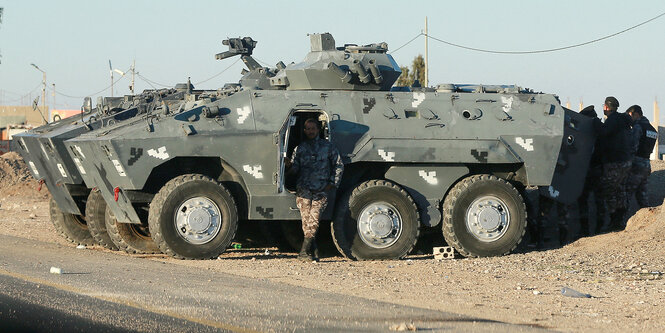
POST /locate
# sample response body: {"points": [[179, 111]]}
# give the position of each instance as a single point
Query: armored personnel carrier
{"points": [[456, 157], [76, 211]]}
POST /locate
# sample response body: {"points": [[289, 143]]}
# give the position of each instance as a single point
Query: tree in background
{"points": [[417, 71]]}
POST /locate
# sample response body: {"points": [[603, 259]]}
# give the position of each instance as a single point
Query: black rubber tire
{"points": [[72, 227], [95, 213], [130, 237], [171, 196], [345, 228], [456, 204]]}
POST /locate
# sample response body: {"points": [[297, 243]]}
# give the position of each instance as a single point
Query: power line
{"points": [[407, 43], [92, 94], [544, 50], [151, 82], [29, 93], [218, 74]]}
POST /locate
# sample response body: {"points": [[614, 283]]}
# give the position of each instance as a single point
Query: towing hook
{"points": [[41, 182], [116, 192]]}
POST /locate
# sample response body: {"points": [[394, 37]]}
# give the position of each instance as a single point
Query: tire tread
{"points": [[339, 237], [450, 201], [160, 199]]}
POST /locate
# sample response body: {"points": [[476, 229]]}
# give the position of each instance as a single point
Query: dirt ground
{"points": [[623, 271]]}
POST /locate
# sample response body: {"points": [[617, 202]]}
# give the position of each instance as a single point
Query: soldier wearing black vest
{"points": [[643, 140], [617, 161], [592, 181]]}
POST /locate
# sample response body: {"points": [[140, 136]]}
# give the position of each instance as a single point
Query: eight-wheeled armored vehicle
{"points": [[456, 157]]}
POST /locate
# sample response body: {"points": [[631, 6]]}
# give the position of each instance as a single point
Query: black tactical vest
{"points": [[647, 139]]}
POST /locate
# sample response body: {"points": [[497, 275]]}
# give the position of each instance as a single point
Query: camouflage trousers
{"points": [[637, 183], [311, 205], [613, 185]]}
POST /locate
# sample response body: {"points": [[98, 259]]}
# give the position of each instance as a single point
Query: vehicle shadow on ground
{"points": [[269, 253]]}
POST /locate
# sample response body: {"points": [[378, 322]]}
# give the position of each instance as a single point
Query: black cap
{"points": [[589, 111], [635, 108], [612, 102]]}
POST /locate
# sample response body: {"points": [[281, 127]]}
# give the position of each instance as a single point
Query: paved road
{"points": [[100, 291]]}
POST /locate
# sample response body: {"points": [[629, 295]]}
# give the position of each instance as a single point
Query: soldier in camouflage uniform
{"points": [[319, 168], [643, 140], [617, 161]]}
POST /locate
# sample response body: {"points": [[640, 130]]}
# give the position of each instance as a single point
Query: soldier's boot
{"points": [[563, 235], [616, 220], [314, 253], [305, 254], [584, 227]]}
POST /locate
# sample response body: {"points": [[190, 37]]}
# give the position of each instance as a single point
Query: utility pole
{"points": [[43, 88], [426, 56], [131, 88], [53, 107]]}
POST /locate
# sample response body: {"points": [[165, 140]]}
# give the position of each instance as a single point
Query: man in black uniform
{"points": [[643, 140], [592, 181], [617, 160]]}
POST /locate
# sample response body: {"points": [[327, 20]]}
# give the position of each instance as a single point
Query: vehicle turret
{"points": [[326, 67]]}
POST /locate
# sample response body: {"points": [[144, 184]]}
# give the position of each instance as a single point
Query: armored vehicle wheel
{"points": [[130, 237], [193, 217], [72, 227], [484, 216], [95, 213], [377, 220]]}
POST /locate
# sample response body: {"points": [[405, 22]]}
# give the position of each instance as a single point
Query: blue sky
{"points": [[172, 40]]}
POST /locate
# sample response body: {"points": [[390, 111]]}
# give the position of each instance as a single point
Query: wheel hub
{"points": [[487, 218], [379, 225], [198, 220]]}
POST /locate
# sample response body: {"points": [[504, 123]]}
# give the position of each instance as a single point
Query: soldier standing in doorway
{"points": [[319, 168], [617, 161], [643, 140]]}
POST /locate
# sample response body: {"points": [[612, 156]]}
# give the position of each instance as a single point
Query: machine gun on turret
{"points": [[240, 46]]}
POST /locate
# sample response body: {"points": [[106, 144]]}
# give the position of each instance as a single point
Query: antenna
{"points": [[426, 83]]}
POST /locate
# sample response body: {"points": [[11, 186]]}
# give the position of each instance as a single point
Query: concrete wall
{"points": [[17, 115]]}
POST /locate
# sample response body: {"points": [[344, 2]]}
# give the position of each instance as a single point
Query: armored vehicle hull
{"points": [[457, 157], [410, 159]]}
